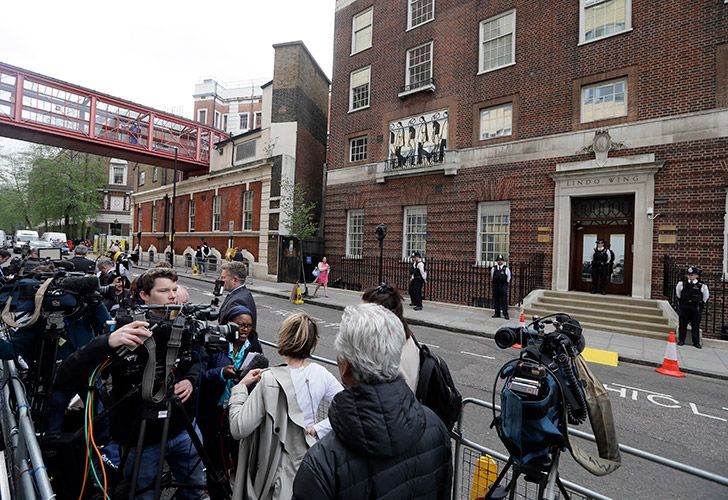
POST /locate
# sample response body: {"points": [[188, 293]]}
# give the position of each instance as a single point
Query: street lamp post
{"points": [[381, 232], [174, 203]]}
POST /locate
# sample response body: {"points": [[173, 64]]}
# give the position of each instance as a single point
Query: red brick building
{"points": [[477, 128], [240, 198]]}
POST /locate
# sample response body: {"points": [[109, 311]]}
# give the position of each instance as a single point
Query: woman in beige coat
{"points": [[276, 422]]}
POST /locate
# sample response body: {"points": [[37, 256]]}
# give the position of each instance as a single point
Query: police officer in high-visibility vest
{"points": [[602, 259], [500, 278], [692, 294]]}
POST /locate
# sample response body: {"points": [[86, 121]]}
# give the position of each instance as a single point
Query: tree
{"points": [[65, 186], [299, 214], [14, 203]]}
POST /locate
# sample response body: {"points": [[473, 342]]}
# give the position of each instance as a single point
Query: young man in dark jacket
{"points": [[384, 443], [156, 287]]}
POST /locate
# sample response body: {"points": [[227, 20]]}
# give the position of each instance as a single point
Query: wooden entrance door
{"points": [[609, 219]]}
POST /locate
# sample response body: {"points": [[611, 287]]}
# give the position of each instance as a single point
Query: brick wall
{"points": [[689, 191], [671, 54]]}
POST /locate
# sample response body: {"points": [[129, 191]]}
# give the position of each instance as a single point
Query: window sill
{"points": [[360, 109], [360, 51], [484, 71], [426, 22], [353, 257], [430, 87], [602, 120], [586, 42]]}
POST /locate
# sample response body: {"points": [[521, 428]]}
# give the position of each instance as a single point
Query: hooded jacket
{"points": [[385, 445]]}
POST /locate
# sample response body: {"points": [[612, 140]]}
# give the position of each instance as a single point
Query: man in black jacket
{"points": [[156, 287], [233, 275], [384, 442], [80, 262]]}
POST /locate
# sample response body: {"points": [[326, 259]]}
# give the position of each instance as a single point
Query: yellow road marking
{"points": [[609, 358]]}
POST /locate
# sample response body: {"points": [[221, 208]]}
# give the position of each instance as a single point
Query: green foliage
{"points": [[51, 187], [298, 212]]}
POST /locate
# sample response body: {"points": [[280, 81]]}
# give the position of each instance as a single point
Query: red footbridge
{"points": [[40, 109]]}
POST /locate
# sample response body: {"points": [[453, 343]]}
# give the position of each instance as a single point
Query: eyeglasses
{"points": [[246, 326]]}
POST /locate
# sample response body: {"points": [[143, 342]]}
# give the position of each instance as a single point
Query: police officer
{"points": [[418, 276], [692, 295], [600, 264], [500, 278]]}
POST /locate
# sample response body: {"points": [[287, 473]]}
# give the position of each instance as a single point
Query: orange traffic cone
{"points": [[522, 324], [669, 364]]}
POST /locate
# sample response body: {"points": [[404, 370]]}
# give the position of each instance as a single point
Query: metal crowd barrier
{"points": [[28, 478], [469, 473]]}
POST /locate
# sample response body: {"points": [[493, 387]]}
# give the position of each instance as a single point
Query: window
{"points": [[224, 121], [243, 121], [154, 218], [139, 218], [248, 211], [498, 42], [354, 233], [419, 12], [415, 230], [217, 119], [496, 121], [216, 203], [604, 18], [361, 31], [358, 148], [155, 174], [359, 89], [245, 150], [202, 116], [258, 119], [604, 100], [191, 226], [140, 177], [419, 66], [493, 231], [118, 175]]}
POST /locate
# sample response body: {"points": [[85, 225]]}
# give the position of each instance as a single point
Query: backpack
{"points": [[435, 388]]}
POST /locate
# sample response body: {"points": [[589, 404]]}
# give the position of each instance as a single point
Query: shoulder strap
{"points": [[39, 294], [427, 367]]}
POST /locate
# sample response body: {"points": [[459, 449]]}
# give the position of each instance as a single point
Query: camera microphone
{"points": [[80, 284]]}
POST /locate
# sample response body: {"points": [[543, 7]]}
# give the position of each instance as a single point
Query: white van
{"points": [[54, 238], [22, 237], [3, 239]]}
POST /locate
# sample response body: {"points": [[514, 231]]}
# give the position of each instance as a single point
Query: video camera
{"points": [[547, 353]]}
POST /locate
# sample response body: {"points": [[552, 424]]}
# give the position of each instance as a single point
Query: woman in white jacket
{"points": [[277, 421]]}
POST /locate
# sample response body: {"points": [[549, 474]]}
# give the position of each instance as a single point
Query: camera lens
{"points": [[505, 337]]}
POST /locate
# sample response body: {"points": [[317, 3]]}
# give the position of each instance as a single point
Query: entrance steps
{"points": [[610, 313]]}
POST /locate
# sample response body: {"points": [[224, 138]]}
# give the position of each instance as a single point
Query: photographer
{"points": [[155, 287]]}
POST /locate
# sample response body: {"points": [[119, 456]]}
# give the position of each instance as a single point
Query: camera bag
{"points": [[530, 428]]}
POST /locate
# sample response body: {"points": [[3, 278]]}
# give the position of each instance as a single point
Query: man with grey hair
{"points": [[233, 275], [80, 262], [385, 443]]}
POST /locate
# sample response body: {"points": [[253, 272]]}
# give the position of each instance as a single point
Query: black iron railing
{"points": [[713, 323], [425, 83], [448, 280], [426, 159]]}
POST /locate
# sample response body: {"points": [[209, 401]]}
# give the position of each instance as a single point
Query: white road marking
{"points": [[695, 410], [478, 355], [435, 346], [725, 408], [208, 294], [643, 390]]}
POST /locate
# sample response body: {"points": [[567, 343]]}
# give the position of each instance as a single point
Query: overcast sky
{"points": [[154, 52]]}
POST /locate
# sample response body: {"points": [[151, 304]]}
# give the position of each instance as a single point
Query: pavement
{"points": [[710, 361]]}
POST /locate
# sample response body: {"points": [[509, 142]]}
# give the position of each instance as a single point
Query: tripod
{"points": [[546, 475], [163, 410]]}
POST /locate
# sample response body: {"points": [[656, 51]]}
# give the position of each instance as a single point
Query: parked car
{"points": [[3, 239], [22, 237], [34, 244]]}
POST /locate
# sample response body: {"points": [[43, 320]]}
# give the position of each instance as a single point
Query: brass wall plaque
{"points": [[667, 239], [544, 229], [544, 238], [667, 227]]}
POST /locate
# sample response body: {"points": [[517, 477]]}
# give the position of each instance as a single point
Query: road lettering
{"points": [[658, 399]]}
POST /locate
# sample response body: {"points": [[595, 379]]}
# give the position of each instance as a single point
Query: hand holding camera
{"points": [[132, 335]]}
